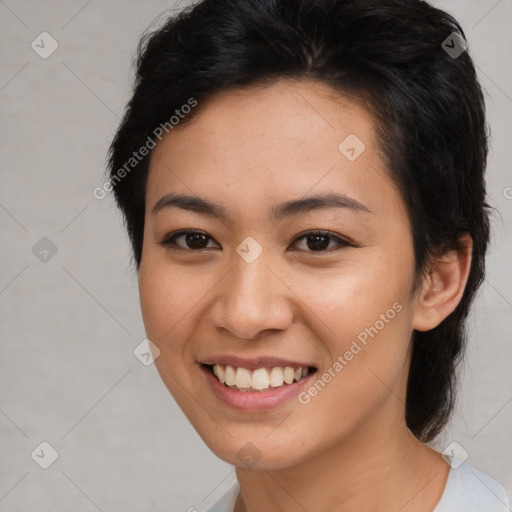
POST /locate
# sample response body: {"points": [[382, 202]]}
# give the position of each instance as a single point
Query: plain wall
{"points": [[69, 325]]}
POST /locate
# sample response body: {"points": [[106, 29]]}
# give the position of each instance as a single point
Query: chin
{"points": [[258, 455]]}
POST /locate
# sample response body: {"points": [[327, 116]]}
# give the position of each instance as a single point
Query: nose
{"points": [[252, 300]]}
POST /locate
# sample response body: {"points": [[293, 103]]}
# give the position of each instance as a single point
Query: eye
{"points": [[319, 241], [196, 240]]}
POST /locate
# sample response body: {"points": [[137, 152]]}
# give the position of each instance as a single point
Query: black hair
{"points": [[399, 59]]}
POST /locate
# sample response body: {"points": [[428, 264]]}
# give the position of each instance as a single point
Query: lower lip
{"points": [[253, 401]]}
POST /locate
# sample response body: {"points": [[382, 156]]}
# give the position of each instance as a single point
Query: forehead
{"points": [[275, 142], [284, 111]]}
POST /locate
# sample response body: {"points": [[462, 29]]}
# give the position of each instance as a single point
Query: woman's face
{"points": [[255, 290]]}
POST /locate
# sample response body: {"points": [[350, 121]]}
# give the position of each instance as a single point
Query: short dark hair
{"points": [[427, 104]]}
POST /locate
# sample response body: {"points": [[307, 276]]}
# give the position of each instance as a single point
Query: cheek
{"points": [[167, 310], [356, 296], [167, 299], [367, 368], [363, 319]]}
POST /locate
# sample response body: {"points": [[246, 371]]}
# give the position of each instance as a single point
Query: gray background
{"points": [[69, 325]]}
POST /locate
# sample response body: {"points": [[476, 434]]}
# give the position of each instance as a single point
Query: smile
{"points": [[258, 379]]}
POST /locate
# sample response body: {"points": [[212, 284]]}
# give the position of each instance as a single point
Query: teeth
{"points": [[243, 378], [258, 380], [221, 373], [230, 375], [289, 375], [276, 377]]}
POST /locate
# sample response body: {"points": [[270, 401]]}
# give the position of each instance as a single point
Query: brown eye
{"points": [[319, 241], [193, 240]]}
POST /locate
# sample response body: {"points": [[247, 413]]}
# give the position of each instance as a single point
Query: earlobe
{"points": [[442, 290]]}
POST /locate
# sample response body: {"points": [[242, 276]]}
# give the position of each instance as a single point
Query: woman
{"points": [[303, 186]]}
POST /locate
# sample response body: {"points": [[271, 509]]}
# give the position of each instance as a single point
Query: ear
{"points": [[442, 290]]}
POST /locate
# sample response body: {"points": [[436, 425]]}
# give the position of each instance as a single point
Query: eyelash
{"points": [[169, 240]]}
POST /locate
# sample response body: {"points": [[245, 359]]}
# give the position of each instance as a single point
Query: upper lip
{"points": [[254, 363]]}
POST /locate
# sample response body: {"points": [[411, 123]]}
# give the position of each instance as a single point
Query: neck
{"points": [[374, 470]]}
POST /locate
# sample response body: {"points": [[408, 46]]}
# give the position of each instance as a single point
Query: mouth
{"points": [[262, 379]]}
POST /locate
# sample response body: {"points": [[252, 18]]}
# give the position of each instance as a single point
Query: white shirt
{"points": [[467, 490]]}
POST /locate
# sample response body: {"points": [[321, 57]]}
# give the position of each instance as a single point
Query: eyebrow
{"points": [[276, 212]]}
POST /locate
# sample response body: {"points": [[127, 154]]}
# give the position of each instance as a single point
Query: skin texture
{"points": [[349, 448]]}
